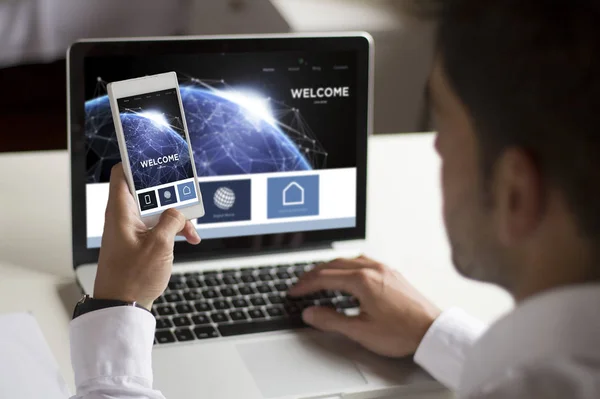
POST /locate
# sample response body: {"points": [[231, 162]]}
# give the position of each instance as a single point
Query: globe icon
{"points": [[224, 198]]}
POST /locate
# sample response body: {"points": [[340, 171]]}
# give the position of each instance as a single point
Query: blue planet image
{"points": [[150, 136], [231, 134]]}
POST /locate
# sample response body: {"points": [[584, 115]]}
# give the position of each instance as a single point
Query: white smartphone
{"points": [[155, 146]]}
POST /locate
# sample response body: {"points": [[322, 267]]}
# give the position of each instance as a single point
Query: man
{"points": [[516, 92]]}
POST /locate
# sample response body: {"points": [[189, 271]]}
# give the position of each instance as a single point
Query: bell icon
{"points": [[187, 190]]}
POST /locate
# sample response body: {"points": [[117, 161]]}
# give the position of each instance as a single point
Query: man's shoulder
{"points": [[573, 377]]}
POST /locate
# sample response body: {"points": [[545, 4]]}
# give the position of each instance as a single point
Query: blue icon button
{"points": [[292, 196], [167, 195], [187, 191]]}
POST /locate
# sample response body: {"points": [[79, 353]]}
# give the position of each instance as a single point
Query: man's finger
{"points": [[344, 263], [349, 281], [327, 319], [119, 195], [190, 233], [171, 222]]}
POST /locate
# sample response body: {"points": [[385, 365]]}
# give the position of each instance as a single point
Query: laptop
{"points": [[279, 127]]}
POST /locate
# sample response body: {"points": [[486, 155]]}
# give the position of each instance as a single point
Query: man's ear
{"points": [[517, 192]]}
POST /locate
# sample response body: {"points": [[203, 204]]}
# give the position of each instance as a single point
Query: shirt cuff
{"points": [[443, 350], [113, 342]]}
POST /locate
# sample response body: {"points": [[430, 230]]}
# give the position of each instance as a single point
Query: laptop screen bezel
{"points": [[359, 43]]}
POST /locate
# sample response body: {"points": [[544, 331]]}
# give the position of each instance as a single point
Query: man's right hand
{"points": [[394, 316], [136, 262]]}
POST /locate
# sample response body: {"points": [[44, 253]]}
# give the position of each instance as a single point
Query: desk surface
{"points": [[404, 229]]}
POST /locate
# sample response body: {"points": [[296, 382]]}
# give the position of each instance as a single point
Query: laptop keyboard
{"points": [[212, 304]]}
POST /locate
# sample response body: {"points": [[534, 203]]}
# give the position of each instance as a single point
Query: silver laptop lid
{"points": [[278, 125]]}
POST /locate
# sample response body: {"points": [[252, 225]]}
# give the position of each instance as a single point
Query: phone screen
{"points": [[158, 151]]}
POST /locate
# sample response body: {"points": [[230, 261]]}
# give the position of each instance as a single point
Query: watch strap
{"points": [[88, 304]]}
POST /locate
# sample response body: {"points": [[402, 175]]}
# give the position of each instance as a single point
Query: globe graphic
{"points": [[224, 198], [227, 138], [147, 137]]}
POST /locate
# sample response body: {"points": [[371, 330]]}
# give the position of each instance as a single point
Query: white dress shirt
{"points": [[548, 347]]}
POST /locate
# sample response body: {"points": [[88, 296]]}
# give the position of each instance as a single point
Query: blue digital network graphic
{"points": [[232, 132], [151, 135]]}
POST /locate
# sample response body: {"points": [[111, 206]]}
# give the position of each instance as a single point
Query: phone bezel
{"points": [[140, 86]]}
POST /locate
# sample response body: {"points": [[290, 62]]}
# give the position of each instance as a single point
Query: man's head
{"points": [[516, 96]]}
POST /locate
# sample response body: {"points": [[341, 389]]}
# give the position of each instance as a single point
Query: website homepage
{"points": [[273, 139]]}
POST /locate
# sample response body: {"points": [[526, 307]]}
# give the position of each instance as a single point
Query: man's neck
{"points": [[560, 266]]}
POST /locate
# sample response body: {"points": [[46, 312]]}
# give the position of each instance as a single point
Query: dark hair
{"points": [[529, 73]]}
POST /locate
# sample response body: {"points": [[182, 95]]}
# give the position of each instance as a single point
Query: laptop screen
{"points": [[273, 137]]}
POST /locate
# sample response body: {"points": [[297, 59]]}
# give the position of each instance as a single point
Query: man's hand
{"points": [[135, 262], [394, 317]]}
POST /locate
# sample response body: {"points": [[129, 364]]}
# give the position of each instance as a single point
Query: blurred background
{"points": [[35, 34]]}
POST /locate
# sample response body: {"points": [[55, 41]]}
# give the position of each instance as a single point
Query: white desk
{"points": [[404, 229]]}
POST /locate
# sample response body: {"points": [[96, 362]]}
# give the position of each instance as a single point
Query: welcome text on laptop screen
{"points": [[273, 137]]}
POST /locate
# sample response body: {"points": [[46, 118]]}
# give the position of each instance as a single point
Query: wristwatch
{"points": [[88, 304]]}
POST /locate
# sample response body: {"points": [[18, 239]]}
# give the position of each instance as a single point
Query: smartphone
{"points": [[155, 146]]}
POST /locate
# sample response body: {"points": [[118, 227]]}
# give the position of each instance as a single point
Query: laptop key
{"points": [[275, 311], [275, 299], [205, 332], [192, 295], [184, 334], [212, 282], [184, 308], [203, 306], [162, 323], [281, 286], [181, 321], [248, 278], [229, 271], [259, 326], [159, 300], [164, 337], [264, 288], [194, 283], [246, 290], [200, 319], [176, 285], [328, 302], [221, 304], [219, 317], [165, 310], [258, 301], [230, 279], [283, 275], [247, 270], [173, 297], [228, 291], [256, 313], [266, 277], [209, 294], [237, 315], [239, 303], [347, 304]]}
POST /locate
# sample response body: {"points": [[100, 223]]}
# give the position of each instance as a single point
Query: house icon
{"points": [[293, 194]]}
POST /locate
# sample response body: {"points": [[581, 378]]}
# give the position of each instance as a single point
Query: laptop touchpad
{"points": [[300, 365]]}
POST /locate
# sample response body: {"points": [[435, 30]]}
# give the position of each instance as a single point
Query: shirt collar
{"points": [[563, 322]]}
